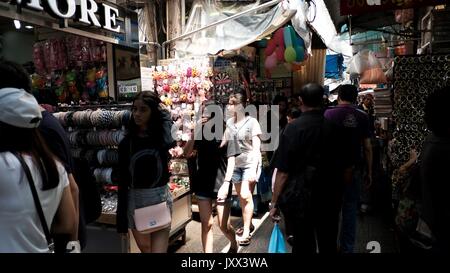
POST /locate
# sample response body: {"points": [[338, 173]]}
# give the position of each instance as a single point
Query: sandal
{"points": [[240, 230], [244, 241]]}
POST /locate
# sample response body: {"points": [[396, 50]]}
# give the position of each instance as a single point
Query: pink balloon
{"points": [[271, 61]]}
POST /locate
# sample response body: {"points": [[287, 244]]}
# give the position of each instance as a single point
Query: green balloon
{"points": [[290, 55]]}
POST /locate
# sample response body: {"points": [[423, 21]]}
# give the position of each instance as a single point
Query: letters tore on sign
{"points": [[84, 12]]}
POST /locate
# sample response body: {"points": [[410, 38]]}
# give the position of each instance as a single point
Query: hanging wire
{"points": [[315, 10]]}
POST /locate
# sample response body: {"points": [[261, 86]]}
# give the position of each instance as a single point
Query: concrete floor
{"points": [[370, 228]]}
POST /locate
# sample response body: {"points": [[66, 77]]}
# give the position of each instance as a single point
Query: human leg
{"points": [[143, 241], [246, 200], [349, 214], [160, 240], [223, 216], [206, 218]]}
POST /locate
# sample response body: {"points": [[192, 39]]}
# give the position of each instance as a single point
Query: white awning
{"points": [[232, 34]]}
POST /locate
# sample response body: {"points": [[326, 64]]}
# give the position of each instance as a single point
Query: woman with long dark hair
{"points": [[20, 142], [143, 176]]}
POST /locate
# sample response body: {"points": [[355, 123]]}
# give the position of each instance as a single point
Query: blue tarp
{"points": [[333, 68]]}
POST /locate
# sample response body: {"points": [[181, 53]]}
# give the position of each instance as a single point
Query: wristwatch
{"points": [[272, 205]]}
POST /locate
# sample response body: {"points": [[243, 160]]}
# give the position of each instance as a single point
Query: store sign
{"points": [[366, 6], [85, 12], [125, 89]]}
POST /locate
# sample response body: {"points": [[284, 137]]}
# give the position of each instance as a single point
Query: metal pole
{"points": [[268, 4], [350, 28]]}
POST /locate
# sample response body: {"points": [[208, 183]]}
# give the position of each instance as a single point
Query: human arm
{"points": [[65, 221], [256, 149], [223, 191], [75, 194], [405, 168], [280, 181], [256, 155]]}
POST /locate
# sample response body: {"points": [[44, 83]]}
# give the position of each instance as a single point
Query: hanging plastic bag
{"points": [[276, 243], [359, 62], [374, 73]]}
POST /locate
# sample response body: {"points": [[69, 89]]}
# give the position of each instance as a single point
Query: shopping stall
{"points": [[84, 60]]}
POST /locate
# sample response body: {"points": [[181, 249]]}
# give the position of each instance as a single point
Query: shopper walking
{"points": [[245, 130], [209, 177], [26, 164], [309, 176], [355, 125], [143, 159]]}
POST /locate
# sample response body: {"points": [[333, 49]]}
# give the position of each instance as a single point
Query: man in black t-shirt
{"points": [[310, 164]]}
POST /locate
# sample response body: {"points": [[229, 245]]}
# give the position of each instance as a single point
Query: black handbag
{"points": [[37, 203]]}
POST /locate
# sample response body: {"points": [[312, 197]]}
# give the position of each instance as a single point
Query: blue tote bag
{"points": [[277, 244]]}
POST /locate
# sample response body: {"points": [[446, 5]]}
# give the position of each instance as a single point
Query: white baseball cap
{"points": [[19, 108]]}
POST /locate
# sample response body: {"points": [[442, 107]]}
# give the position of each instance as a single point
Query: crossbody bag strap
{"points": [[37, 202]]}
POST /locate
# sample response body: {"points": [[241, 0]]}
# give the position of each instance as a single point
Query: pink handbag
{"points": [[152, 218]]}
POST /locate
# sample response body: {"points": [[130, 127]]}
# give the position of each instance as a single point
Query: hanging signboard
{"points": [[355, 7], [87, 11]]}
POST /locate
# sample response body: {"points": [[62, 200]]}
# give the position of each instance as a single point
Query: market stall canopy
{"points": [[232, 34]]}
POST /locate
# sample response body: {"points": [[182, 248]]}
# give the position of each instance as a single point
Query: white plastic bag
{"points": [[364, 60]]}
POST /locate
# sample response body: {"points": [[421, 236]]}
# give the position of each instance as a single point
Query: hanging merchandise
{"points": [[73, 68], [101, 78], [373, 74], [287, 48], [404, 16], [415, 78]]}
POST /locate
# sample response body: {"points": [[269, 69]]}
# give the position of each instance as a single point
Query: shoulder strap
{"points": [[37, 202]]}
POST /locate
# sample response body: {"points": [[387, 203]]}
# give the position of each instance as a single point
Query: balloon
{"points": [[279, 41], [300, 53], [276, 44], [271, 61], [271, 46], [290, 55], [287, 37], [295, 41]]}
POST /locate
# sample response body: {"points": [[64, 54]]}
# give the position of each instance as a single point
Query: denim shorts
{"points": [[244, 174], [139, 198]]}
